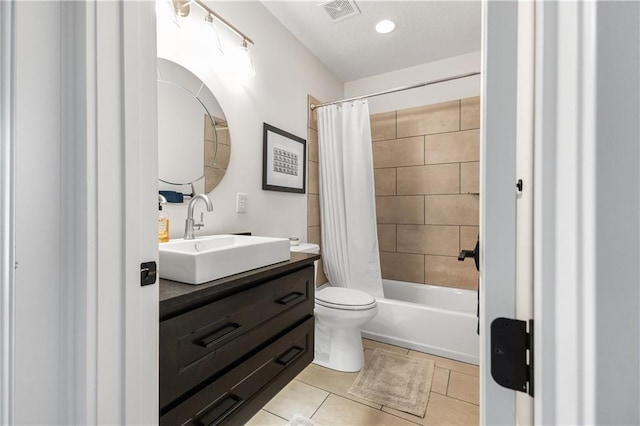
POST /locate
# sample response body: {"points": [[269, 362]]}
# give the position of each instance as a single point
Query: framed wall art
{"points": [[284, 161]]}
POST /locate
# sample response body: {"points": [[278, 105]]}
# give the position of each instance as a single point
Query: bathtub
{"points": [[437, 320]]}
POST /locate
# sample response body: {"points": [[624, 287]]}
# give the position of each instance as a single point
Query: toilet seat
{"points": [[345, 299]]}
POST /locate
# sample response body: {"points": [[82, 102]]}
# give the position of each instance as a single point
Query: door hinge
{"points": [[512, 354]]}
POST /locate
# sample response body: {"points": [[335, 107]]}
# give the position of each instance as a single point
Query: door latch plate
{"points": [[148, 272]]}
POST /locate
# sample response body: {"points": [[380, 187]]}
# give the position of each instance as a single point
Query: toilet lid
{"points": [[345, 298]]}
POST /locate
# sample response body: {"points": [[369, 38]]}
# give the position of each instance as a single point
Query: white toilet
{"points": [[339, 314]]}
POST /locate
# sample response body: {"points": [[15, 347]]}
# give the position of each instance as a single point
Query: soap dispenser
{"points": [[163, 221]]}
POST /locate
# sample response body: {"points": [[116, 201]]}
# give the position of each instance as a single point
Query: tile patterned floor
{"points": [[322, 395]]}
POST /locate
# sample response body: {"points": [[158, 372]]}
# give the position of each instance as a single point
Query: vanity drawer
{"points": [[238, 395], [198, 344]]}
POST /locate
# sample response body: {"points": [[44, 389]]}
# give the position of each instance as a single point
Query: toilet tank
{"points": [[308, 248]]}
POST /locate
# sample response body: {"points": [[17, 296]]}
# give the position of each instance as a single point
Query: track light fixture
{"points": [[238, 57]]}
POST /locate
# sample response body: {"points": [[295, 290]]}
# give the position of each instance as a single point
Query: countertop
{"points": [[176, 298]]}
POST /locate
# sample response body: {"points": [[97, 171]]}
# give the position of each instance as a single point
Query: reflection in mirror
{"points": [[193, 137]]}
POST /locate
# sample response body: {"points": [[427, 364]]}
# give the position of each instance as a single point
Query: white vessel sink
{"points": [[211, 257]]}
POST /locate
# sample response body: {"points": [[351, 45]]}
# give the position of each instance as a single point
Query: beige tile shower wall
{"points": [[313, 201], [426, 169]]}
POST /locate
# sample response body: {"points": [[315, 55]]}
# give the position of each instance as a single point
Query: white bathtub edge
{"points": [[431, 350]]}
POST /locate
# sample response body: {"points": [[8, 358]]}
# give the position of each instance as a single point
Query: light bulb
{"points": [[385, 26], [239, 61], [210, 36]]}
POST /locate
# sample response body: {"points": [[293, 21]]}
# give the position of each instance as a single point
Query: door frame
{"points": [[7, 222], [524, 171], [497, 195]]}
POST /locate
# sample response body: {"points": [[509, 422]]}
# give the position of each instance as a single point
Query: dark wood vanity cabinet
{"points": [[227, 349]]}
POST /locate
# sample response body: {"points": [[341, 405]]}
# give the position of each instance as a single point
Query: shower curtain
{"points": [[347, 201]]}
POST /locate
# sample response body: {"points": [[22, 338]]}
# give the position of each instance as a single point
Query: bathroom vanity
{"points": [[228, 346]]}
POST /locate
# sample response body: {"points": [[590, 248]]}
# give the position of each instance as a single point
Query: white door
{"points": [[140, 198], [79, 181]]}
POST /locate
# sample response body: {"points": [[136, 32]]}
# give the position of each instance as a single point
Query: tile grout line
{"points": [[274, 414], [395, 120], [395, 230], [422, 134], [312, 385], [406, 166], [395, 172], [446, 388], [402, 418], [357, 402], [460, 372], [417, 135], [460, 400], [337, 395], [321, 404]]}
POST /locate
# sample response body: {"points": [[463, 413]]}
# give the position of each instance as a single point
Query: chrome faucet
{"points": [[189, 223]]}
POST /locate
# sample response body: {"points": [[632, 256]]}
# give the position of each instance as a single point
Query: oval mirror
{"points": [[193, 137]]}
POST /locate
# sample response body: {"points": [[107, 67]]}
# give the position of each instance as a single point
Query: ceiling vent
{"points": [[339, 10]]}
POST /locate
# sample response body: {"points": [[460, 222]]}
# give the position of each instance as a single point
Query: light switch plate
{"points": [[241, 202]]}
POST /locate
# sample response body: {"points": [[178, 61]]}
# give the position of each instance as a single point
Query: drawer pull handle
{"points": [[289, 298], [220, 410], [290, 356], [209, 340]]}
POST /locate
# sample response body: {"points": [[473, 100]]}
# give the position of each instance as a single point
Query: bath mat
{"points": [[396, 381], [299, 420]]}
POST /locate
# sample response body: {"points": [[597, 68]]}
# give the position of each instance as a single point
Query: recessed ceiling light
{"points": [[385, 26]]}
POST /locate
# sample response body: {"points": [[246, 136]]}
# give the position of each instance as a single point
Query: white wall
{"points": [[457, 89], [286, 72]]}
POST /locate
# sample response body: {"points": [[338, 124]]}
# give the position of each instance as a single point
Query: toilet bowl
{"points": [[339, 314]]}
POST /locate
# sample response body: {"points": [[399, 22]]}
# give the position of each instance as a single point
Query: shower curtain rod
{"points": [[397, 89]]}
